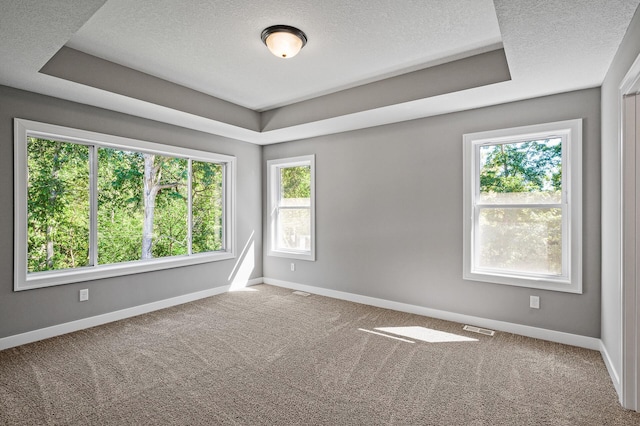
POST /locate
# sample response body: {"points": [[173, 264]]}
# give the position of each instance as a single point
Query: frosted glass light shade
{"points": [[284, 45], [284, 41]]}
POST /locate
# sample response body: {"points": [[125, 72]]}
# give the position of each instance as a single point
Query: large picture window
{"points": [[89, 205], [522, 201], [291, 231]]}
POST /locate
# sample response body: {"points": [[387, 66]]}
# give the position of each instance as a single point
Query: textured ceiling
{"points": [[215, 47], [179, 49], [552, 43]]}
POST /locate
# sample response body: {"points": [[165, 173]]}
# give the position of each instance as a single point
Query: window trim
{"points": [[273, 190], [571, 131], [25, 281]]}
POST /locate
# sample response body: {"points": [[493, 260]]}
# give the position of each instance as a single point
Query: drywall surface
{"points": [[475, 71], [611, 189], [389, 215], [34, 309], [82, 68]]}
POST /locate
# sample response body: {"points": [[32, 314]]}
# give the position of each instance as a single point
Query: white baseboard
{"points": [[523, 330], [538, 333], [255, 281], [81, 324], [615, 377]]}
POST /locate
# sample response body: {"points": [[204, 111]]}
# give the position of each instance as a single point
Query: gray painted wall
{"points": [[389, 215], [34, 309], [611, 278], [475, 71], [80, 67]]}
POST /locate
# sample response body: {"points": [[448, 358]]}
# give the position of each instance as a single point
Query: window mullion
{"points": [[227, 207], [189, 206], [93, 205]]}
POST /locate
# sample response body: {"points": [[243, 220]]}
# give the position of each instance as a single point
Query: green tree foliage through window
{"points": [[296, 182], [120, 175], [533, 166], [207, 196], [58, 205], [142, 205]]}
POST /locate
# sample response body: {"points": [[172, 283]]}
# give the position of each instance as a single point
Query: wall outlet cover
{"points": [[534, 302]]}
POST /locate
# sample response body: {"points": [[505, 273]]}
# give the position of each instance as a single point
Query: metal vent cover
{"points": [[479, 330]]}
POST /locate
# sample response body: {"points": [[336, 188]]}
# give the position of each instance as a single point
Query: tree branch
{"points": [[168, 185]]}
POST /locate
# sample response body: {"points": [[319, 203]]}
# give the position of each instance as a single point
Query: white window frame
{"points": [[273, 196], [25, 281], [571, 133]]}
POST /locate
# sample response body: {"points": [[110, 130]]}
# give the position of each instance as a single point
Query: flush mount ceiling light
{"points": [[284, 41]]}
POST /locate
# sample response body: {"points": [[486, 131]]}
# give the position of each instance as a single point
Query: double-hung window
{"points": [[291, 212], [522, 206], [90, 205]]}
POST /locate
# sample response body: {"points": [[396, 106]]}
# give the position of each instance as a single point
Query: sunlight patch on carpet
{"points": [[385, 335], [426, 334]]}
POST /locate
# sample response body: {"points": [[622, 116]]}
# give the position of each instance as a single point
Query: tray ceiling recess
{"points": [[203, 65]]}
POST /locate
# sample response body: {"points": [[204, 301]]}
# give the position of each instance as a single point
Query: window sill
{"points": [[540, 283], [89, 273], [310, 256]]}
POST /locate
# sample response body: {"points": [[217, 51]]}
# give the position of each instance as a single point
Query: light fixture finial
{"points": [[284, 41]]}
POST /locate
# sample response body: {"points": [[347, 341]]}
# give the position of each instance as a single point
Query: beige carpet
{"points": [[271, 357]]}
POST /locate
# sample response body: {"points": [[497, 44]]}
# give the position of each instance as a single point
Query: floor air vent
{"points": [[479, 330], [301, 293]]}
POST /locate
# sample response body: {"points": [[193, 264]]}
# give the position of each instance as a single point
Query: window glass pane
{"points": [[295, 186], [294, 228], [142, 206], [120, 208], [57, 205], [169, 218], [524, 172], [207, 211], [520, 240], [294, 218]]}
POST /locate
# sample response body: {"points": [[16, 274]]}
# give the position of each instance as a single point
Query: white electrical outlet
{"points": [[293, 267], [534, 302], [84, 294]]}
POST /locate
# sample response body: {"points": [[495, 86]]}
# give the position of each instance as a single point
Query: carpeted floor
{"points": [[271, 357]]}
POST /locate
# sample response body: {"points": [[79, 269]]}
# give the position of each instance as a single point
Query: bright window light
{"points": [[426, 334]]}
